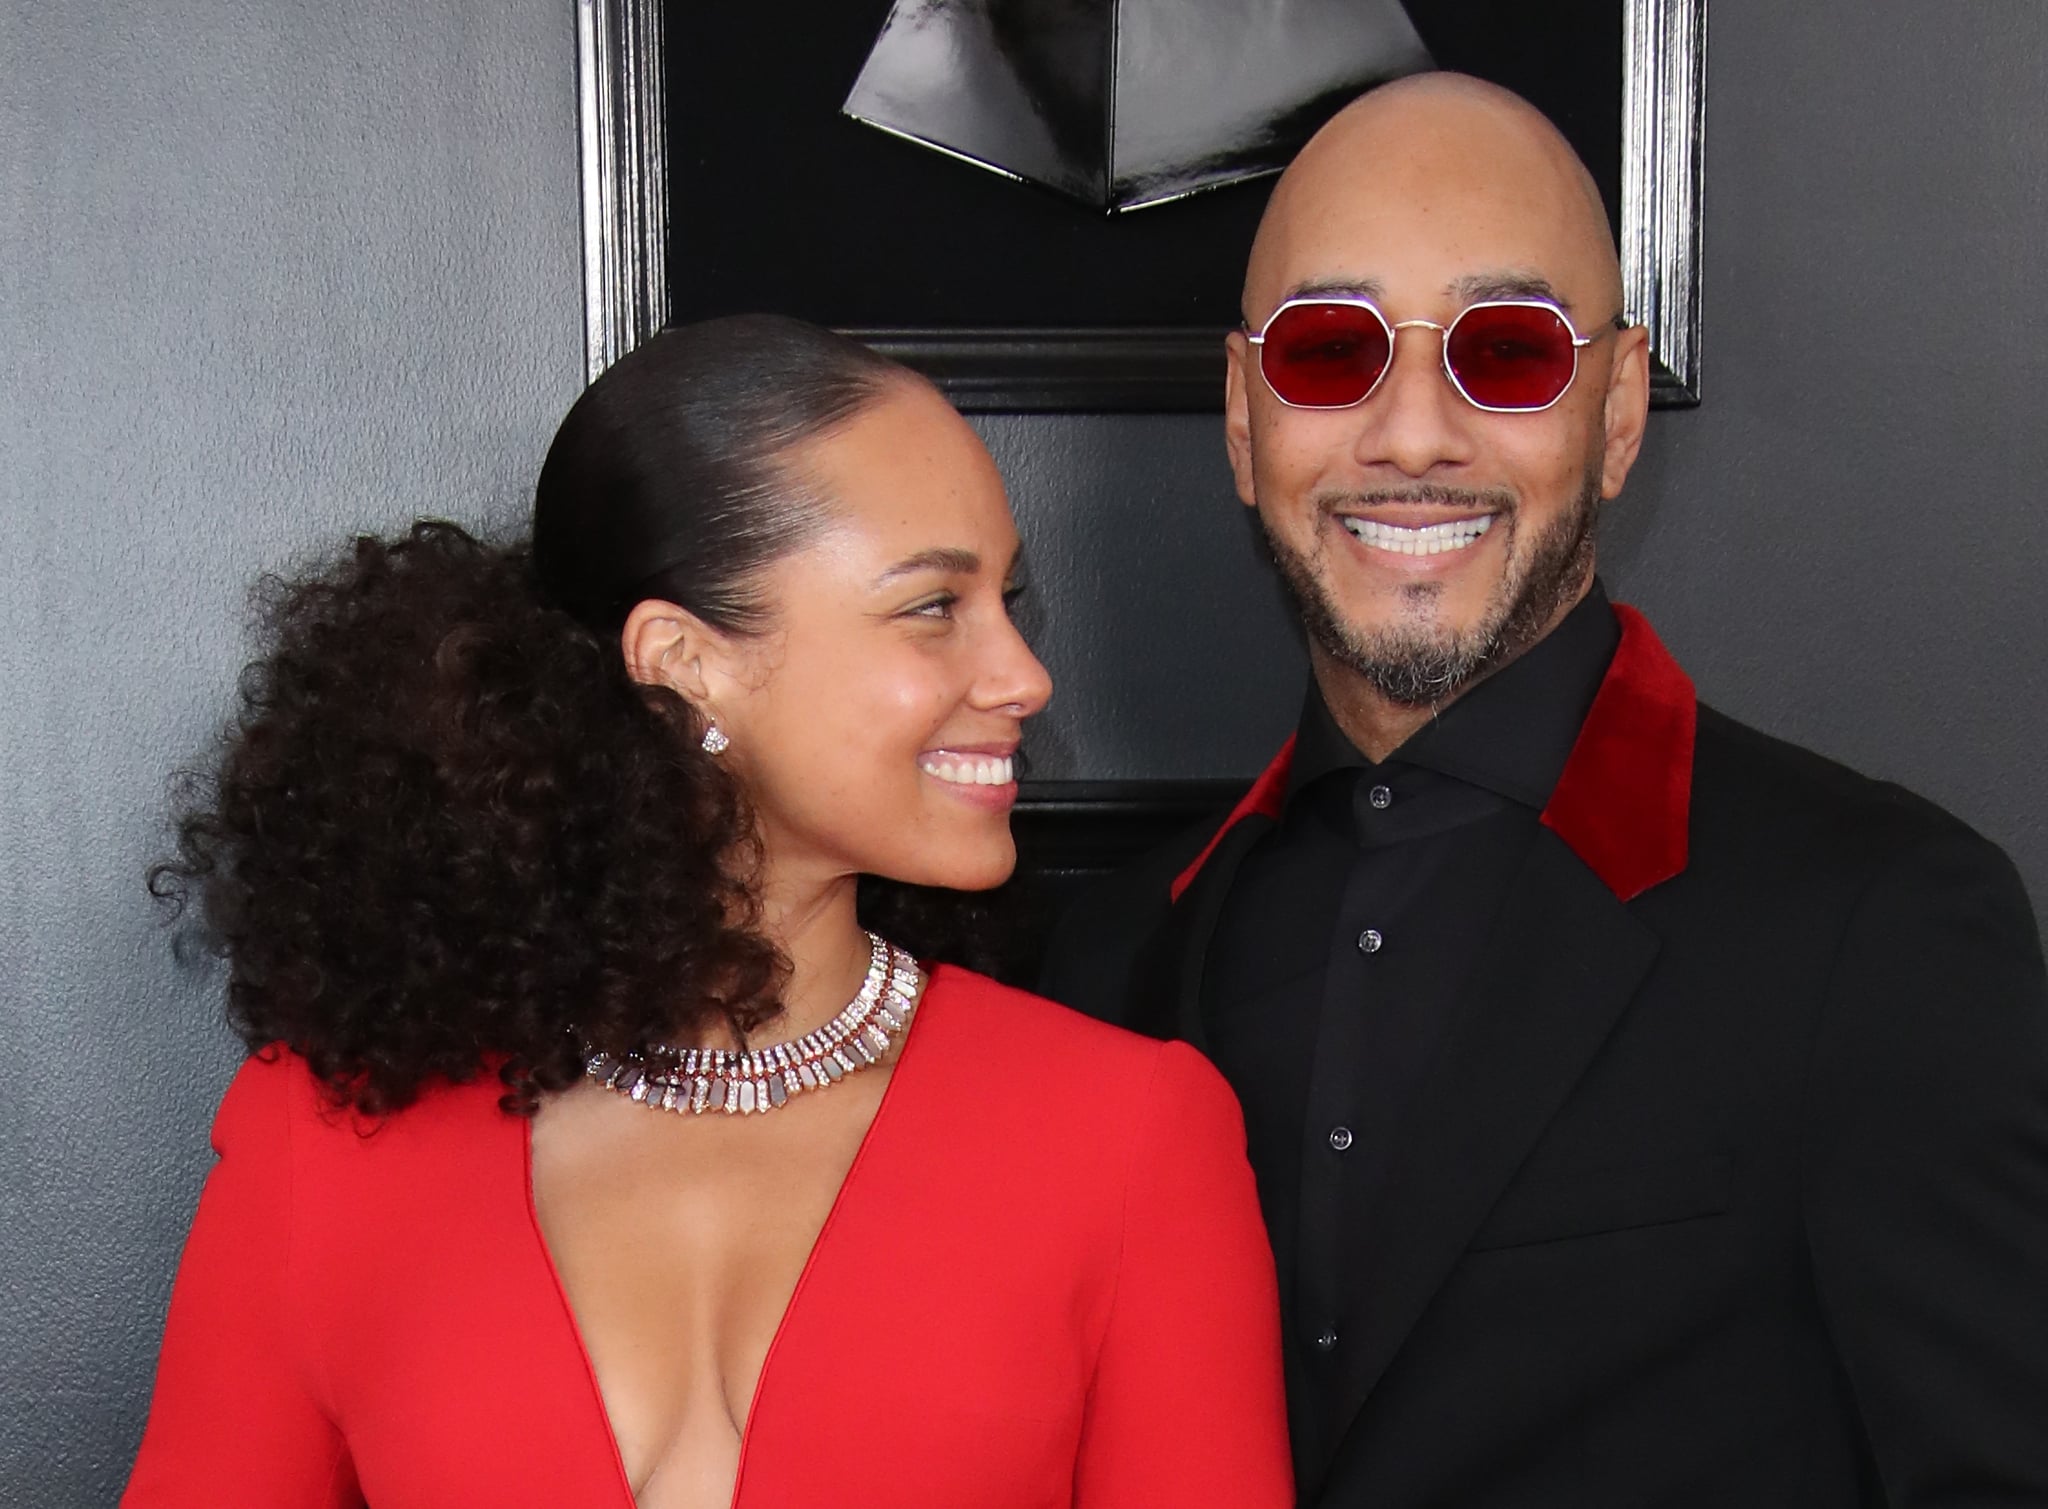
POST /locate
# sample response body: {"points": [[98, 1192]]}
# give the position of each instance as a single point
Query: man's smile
{"points": [[1421, 539]]}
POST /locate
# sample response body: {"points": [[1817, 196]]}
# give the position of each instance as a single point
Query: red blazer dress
{"points": [[1044, 1283]]}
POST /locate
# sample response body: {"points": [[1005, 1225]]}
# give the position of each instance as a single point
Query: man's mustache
{"points": [[1429, 494]]}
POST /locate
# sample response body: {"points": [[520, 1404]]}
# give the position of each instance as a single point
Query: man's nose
{"points": [[1417, 421]]}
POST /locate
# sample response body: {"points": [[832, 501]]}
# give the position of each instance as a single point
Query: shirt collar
{"points": [[1624, 801], [1510, 734]]}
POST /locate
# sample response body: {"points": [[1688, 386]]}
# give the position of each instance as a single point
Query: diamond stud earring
{"points": [[715, 741]]}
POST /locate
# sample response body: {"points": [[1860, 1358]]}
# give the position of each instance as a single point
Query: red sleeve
{"points": [[1187, 1407], [232, 1420]]}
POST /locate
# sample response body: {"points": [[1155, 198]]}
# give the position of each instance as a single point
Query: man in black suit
{"points": [[1646, 1112]]}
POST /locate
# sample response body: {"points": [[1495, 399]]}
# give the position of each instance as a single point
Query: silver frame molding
{"points": [[621, 111], [621, 105], [1663, 141]]}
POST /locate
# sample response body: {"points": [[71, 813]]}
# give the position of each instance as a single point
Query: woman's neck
{"points": [[814, 924]]}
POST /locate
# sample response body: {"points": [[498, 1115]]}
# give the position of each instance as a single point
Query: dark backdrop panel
{"points": [[779, 202]]}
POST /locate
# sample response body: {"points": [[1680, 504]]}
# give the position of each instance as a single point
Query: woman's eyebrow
{"points": [[945, 558]]}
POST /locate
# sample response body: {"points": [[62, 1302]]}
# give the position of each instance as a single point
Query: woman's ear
{"points": [[665, 645]]}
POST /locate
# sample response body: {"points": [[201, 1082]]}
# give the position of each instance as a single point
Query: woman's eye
{"points": [[935, 607]]}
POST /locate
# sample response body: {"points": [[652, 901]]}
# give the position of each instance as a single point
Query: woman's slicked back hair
{"points": [[668, 477]]}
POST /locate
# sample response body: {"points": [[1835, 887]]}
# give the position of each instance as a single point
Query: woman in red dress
{"points": [[590, 1152]]}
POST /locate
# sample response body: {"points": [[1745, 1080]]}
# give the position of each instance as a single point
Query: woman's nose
{"points": [[1015, 678]]}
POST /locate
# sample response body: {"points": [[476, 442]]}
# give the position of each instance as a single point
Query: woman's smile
{"points": [[983, 775]]}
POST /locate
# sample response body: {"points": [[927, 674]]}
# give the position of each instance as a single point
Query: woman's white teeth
{"points": [[970, 770], [1430, 539]]}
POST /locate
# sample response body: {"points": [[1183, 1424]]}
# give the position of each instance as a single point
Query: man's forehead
{"points": [[1441, 194]]}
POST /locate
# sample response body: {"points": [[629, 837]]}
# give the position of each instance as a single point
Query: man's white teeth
{"points": [[1430, 539], [970, 770]]}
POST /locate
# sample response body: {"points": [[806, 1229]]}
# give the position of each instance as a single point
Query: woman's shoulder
{"points": [[277, 1101], [360, 1195], [1027, 1019], [1072, 1054], [1017, 1104]]}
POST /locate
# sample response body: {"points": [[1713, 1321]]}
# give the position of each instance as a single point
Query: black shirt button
{"points": [[1381, 797], [1340, 1138], [1370, 940], [1326, 1340]]}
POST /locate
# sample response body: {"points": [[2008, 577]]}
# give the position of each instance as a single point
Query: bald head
{"points": [[1439, 171], [1424, 198]]}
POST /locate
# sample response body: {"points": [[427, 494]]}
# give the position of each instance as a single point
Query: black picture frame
{"points": [[687, 152]]}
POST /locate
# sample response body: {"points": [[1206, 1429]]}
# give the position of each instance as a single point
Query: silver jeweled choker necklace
{"points": [[696, 1080]]}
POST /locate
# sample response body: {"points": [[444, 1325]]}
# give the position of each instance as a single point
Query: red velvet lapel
{"points": [[1624, 801], [1265, 797], [1625, 798]]}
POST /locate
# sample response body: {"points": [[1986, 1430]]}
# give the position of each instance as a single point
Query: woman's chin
{"points": [[978, 864]]}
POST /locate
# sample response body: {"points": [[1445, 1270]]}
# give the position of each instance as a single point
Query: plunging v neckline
{"points": [[627, 1499]]}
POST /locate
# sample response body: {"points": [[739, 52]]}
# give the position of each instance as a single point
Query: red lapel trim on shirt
{"points": [[1624, 802]]}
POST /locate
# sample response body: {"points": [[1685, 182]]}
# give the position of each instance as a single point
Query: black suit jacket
{"points": [[1730, 1187]]}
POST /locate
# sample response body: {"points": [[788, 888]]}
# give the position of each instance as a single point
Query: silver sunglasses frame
{"points": [[1394, 327]]}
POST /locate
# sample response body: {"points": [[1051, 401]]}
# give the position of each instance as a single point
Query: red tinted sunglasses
{"points": [[1506, 356]]}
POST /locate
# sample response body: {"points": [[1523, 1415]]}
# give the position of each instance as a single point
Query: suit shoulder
{"points": [[1743, 777]]}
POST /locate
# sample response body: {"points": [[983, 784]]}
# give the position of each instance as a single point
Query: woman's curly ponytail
{"points": [[446, 829]]}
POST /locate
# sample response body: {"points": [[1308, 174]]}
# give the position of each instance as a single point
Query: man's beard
{"points": [[1420, 665]]}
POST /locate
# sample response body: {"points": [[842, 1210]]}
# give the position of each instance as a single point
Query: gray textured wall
{"points": [[268, 273], [271, 273]]}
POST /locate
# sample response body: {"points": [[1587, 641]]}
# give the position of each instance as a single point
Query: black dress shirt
{"points": [[1340, 955]]}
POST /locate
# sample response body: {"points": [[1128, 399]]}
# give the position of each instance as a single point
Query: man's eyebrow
{"points": [[945, 558], [1471, 289], [1479, 287], [1336, 288]]}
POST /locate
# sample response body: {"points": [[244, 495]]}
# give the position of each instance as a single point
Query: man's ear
{"points": [[1628, 408], [1237, 414], [665, 645]]}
